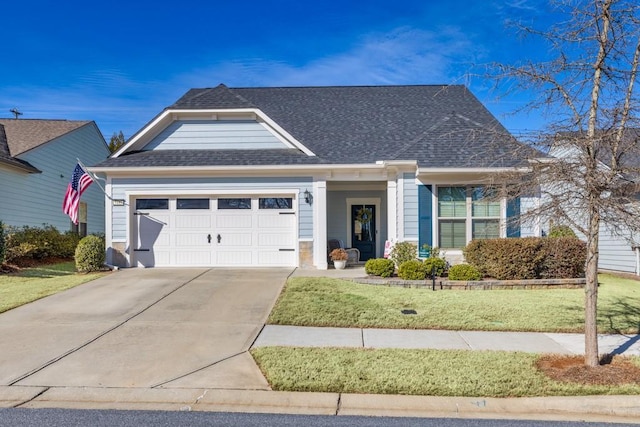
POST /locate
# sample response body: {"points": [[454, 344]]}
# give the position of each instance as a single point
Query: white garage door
{"points": [[242, 231]]}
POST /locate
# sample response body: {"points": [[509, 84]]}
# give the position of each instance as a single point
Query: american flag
{"points": [[80, 180]]}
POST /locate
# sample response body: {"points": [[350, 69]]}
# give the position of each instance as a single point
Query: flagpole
{"points": [[95, 179]]}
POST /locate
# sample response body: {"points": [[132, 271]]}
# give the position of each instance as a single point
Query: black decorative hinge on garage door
{"points": [[142, 250], [287, 213], [140, 213], [287, 250]]}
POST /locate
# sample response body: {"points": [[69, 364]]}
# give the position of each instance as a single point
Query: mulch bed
{"points": [[613, 370]]}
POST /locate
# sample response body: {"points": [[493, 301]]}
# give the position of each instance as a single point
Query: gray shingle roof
{"points": [[439, 126]]}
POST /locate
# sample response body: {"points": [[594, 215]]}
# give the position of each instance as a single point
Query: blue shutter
{"points": [[513, 217], [425, 220]]}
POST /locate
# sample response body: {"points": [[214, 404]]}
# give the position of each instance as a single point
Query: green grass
{"points": [[332, 302], [416, 372], [34, 283]]}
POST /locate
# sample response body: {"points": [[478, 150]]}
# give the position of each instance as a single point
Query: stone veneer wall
{"points": [[306, 254]]}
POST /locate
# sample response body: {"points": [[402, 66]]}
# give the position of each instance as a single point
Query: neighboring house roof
{"points": [[17, 136], [437, 126]]}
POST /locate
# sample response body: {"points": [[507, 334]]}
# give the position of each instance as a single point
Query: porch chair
{"points": [[353, 253]]}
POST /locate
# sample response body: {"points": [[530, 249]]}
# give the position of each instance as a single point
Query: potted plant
{"points": [[339, 257]]}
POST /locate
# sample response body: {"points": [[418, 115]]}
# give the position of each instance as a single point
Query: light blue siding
{"points": [[215, 135], [410, 206], [36, 199], [173, 186]]}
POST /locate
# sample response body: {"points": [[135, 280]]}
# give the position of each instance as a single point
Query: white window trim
{"points": [[469, 215]]}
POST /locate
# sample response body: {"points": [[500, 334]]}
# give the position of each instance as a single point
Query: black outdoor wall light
{"points": [[308, 197]]}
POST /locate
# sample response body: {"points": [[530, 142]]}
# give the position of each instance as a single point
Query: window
{"points": [[486, 214], [152, 204], [275, 203], [81, 227], [237, 203], [192, 204], [466, 213], [452, 213]]}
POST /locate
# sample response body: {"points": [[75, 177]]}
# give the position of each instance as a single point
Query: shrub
{"points": [[435, 266], [412, 270], [382, 267], [464, 272], [90, 254], [39, 243], [403, 252], [2, 243], [528, 258], [561, 231]]}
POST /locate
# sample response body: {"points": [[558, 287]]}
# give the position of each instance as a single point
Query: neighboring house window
{"points": [[81, 227], [466, 213]]}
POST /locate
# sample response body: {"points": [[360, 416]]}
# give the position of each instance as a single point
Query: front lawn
{"points": [[338, 303], [33, 283], [418, 372]]}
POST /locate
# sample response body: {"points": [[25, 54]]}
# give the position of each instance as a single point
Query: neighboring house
{"points": [[619, 245], [265, 176], [37, 158]]}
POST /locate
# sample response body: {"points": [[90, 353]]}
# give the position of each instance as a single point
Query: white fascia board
{"points": [[426, 171], [167, 116], [191, 170]]}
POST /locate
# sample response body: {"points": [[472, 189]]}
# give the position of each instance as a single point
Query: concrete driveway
{"points": [[183, 328]]}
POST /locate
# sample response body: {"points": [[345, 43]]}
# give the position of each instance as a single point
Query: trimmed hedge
{"points": [[435, 265], [412, 270], [39, 243], [90, 254], [528, 258], [464, 272], [382, 267]]}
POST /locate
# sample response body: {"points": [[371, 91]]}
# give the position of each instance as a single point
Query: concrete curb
{"points": [[582, 408]]}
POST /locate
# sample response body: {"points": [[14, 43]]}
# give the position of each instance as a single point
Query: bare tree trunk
{"points": [[591, 290]]}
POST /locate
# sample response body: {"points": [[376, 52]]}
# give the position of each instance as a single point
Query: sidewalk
{"points": [[531, 342]]}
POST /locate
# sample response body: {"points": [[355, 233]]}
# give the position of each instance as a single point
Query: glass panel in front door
{"points": [[363, 230]]}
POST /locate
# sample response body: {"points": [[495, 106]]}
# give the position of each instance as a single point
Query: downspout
{"points": [[636, 249]]}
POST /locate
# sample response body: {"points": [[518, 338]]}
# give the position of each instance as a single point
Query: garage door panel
{"points": [[224, 221], [276, 258], [193, 221], [199, 258], [278, 240], [233, 258], [187, 240], [276, 221], [231, 238]]}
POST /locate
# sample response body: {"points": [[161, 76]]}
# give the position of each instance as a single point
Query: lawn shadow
{"points": [[623, 316], [43, 273]]}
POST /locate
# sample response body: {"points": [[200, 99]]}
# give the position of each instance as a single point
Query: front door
{"points": [[363, 230]]}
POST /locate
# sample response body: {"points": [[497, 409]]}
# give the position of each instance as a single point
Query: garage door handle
{"points": [[219, 238], [209, 238]]}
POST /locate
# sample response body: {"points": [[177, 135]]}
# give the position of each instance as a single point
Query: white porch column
{"points": [[320, 224], [392, 209]]}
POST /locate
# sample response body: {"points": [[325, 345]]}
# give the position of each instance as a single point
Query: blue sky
{"points": [[121, 62]]}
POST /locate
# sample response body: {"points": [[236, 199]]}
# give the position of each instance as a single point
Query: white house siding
{"points": [[410, 207], [616, 251], [36, 199], [173, 186], [215, 135]]}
